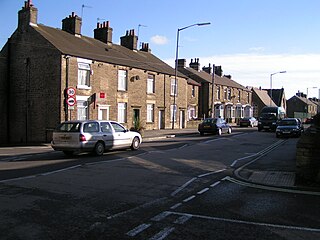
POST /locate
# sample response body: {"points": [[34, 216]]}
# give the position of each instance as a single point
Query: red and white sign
{"points": [[102, 95], [71, 91], [71, 101]]}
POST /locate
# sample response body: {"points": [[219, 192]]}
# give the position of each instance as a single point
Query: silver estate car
{"points": [[93, 136]]}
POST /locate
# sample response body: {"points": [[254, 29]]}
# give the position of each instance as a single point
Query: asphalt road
{"points": [[179, 188]]}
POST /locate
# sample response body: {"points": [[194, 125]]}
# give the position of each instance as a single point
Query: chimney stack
{"points": [[72, 24], [195, 65], [103, 32], [28, 15], [130, 40], [145, 47], [218, 70], [207, 69]]}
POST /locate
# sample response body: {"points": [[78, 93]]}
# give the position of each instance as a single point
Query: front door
{"points": [[136, 118], [182, 119], [161, 119]]}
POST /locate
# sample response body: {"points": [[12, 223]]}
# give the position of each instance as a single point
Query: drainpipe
{"points": [[27, 62], [9, 90], [66, 117]]}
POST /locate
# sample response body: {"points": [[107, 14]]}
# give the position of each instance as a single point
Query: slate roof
{"points": [[277, 95], [202, 76], [90, 48]]}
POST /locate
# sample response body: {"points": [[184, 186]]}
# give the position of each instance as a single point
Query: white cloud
{"points": [[159, 40], [257, 49], [303, 70]]}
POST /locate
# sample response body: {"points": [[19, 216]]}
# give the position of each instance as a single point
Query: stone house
{"points": [[299, 106], [278, 97], [228, 98], [260, 99], [50, 75]]}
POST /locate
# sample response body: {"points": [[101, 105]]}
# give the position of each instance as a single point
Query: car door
{"points": [[121, 136], [107, 134]]}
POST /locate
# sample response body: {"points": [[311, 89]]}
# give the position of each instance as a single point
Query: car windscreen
{"points": [[288, 123], [69, 127], [268, 116], [210, 120]]}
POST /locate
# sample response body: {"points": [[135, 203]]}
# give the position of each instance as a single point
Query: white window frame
{"points": [[173, 112], [174, 87], [84, 73], [102, 108], [193, 91], [122, 112], [150, 113], [122, 80], [192, 112], [151, 83], [82, 108]]}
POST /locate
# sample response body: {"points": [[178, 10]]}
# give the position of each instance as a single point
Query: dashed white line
{"points": [[138, 229], [210, 173], [176, 206], [161, 216], [162, 234], [203, 191], [215, 184], [189, 198]]}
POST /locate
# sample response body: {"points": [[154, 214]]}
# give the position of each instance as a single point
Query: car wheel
{"points": [[229, 130], [135, 144], [219, 131], [68, 153], [99, 149]]}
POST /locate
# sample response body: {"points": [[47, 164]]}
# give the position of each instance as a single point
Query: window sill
{"points": [[84, 87]]}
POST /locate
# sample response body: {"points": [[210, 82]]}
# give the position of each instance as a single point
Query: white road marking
{"points": [[210, 173], [138, 229], [189, 198], [203, 191], [182, 219], [249, 222], [161, 216], [215, 184], [183, 186], [176, 206], [162, 234]]}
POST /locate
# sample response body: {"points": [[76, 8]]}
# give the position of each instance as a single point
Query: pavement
{"points": [[277, 175]]}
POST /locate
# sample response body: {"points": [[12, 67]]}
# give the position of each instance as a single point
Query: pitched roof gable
{"points": [[264, 97]]}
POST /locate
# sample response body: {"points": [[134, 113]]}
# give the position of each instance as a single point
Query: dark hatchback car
{"points": [[215, 126], [289, 127], [249, 121]]}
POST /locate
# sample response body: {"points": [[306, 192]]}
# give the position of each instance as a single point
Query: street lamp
{"points": [[271, 84], [176, 67], [307, 90]]}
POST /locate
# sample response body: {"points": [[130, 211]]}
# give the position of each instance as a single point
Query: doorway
{"points": [[161, 119]]}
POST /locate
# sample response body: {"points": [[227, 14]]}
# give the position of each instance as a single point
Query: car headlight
{"points": [[259, 122], [274, 123]]}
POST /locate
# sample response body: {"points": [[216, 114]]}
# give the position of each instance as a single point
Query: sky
{"points": [[250, 39]]}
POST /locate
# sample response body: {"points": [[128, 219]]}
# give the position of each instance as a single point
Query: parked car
{"points": [[269, 117], [250, 121], [308, 121], [93, 136], [214, 125], [289, 127]]}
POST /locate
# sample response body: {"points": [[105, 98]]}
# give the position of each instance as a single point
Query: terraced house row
{"points": [[50, 75]]}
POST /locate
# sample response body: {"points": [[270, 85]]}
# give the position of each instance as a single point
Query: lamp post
{"points": [[176, 68], [271, 84], [307, 90]]}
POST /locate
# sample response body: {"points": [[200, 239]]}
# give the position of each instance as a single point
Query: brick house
{"points": [[44, 68], [231, 100]]}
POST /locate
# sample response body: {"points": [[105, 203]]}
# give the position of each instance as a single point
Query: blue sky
{"points": [[250, 39]]}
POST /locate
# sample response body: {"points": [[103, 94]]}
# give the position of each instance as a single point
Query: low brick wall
{"points": [[308, 157]]}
